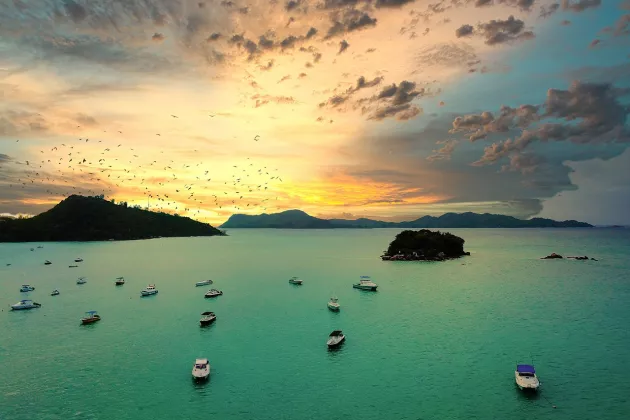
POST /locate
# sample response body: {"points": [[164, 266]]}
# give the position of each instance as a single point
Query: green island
{"points": [[424, 245], [79, 218]]}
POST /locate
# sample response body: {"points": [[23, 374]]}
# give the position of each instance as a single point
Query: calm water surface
{"points": [[437, 341]]}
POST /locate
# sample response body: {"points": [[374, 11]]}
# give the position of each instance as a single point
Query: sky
{"points": [[388, 109]]}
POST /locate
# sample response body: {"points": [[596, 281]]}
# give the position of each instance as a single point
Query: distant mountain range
{"points": [[297, 219]]}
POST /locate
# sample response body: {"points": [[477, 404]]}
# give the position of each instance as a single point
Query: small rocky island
{"points": [[79, 218], [424, 245]]}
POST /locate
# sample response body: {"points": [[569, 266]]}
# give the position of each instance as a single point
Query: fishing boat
{"points": [[26, 288], [203, 283], [207, 318], [81, 280], [25, 304], [333, 304], [120, 281], [54, 292], [335, 339], [90, 318], [295, 280], [526, 379], [201, 369], [149, 290], [365, 283], [213, 293], [47, 262], [78, 260]]}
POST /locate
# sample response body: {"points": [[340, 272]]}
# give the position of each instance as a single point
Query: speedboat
{"points": [[207, 318], [81, 280], [90, 318], [149, 290], [201, 369], [203, 283], [47, 262], [295, 280], [333, 304], [26, 288], [335, 338], [25, 304], [120, 281], [526, 379], [78, 260], [365, 283], [54, 292], [213, 293]]}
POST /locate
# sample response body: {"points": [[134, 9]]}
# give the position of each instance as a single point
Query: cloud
{"points": [[478, 126], [402, 112], [391, 3], [74, 11], [13, 122], [594, 43], [266, 99], [350, 21], [546, 11], [213, 37], [291, 4], [504, 31], [4, 158], [343, 45], [86, 120], [580, 5], [158, 37], [445, 152], [622, 26], [464, 30]]}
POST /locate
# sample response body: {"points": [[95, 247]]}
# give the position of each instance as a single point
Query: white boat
{"points": [[207, 318], [26, 288], [78, 260], [203, 283], [25, 304], [335, 338], [54, 292], [213, 293], [526, 379], [201, 369], [81, 280], [149, 290], [120, 281], [295, 280], [333, 304], [365, 283]]}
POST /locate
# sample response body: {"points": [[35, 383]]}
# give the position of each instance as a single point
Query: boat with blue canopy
{"points": [[90, 317], [526, 379]]}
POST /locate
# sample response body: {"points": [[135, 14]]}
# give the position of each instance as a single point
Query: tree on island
{"points": [[425, 245]]}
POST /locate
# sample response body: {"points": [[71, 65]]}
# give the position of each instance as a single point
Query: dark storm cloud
{"points": [[504, 31], [464, 30], [343, 45], [580, 5]]}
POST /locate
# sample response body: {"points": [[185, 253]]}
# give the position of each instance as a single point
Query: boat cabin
{"points": [[526, 370]]}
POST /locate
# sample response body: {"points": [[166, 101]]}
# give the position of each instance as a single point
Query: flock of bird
{"points": [[114, 168]]}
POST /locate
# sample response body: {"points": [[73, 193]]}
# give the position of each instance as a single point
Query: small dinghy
{"points": [[365, 283], [333, 304], [149, 290], [203, 283], [525, 377], [213, 293], [78, 260], [90, 318], [54, 292], [335, 339], [81, 280], [26, 288], [120, 281], [201, 370], [207, 318], [47, 262], [295, 280], [25, 304]]}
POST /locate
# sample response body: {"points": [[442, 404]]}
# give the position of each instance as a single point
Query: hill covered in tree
{"points": [[79, 218], [425, 245]]}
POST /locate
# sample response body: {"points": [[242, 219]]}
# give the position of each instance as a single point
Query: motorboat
{"points": [[81, 280], [335, 339], [120, 281], [365, 283], [40, 247], [26, 288], [78, 260], [526, 379], [54, 292], [203, 283], [207, 318], [72, 266], [295, 280], [201, 369], [47, 262], [90, 318], [333, 304], [149, 290], [25, 304], [213, 293]]}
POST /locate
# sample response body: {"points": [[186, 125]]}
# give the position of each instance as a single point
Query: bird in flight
{"points": [[257, 137]]}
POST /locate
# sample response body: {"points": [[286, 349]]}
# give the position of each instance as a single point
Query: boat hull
{"points": [[120, 283], [205, 323], [334, 344], [368, 288], [333, 308], [143, 293], [25, 308], [86, 321]]}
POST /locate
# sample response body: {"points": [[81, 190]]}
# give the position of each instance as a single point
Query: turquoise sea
{"points": [[437, 341]]}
